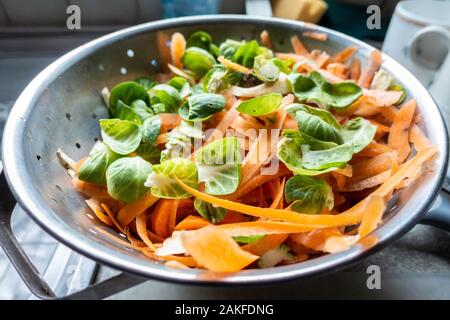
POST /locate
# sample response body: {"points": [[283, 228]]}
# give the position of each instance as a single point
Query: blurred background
{"points": [[33, 33]]}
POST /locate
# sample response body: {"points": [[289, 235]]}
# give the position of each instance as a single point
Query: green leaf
{"points": [[308, 195], [201, 106], [283, 65], [151, 129], [245, 54], [146, 82], [199, 39], [265, 69], [209, 211], [336, 157], [290, 152], [198, 60], [127, 92], [141, 109], [164, 98], [125, 112], [191, 129], [137, 112], [149, 153], [162, 179], [229, 47], [94, 167], [261, 105], [315, 89], [318, 128], [324, 115], [122, 136], [219, 78], [125, 178], [219, 166], [182, 85], [358, 133], [248, 239]]}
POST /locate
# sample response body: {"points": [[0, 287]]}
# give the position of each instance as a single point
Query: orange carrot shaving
{"points": [[177, 48], [339, 243], [279, 196], [375, 62], [268, 242], [162, 138], [374, 213], [298, 46], [233, 65], [259, 227], [374, 149], [389, 113], [264, 147], [315, 240], [90, 189], [141, 228], [97, 209], [338, 69], [354, 69], [132, 210], [192, 223], [225, 122], [290, 123], [372, 166], [351, 216], [418, 138], [319, 36], [344, 55], [382, 98], [347, 171], [216, 251], [399, 134], [367, 183], [341, 180], [265, 39], [406, 170], [233, 217], [169, 121], [162, 217], [321, 58]]}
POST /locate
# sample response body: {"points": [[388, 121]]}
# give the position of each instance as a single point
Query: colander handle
{"points": [[28, 272], [439, 214]]}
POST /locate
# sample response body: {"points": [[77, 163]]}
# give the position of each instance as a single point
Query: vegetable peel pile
{"points": [[245, 157]]}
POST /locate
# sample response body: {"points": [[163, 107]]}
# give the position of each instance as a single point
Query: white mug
{"points": [[419, 38]]}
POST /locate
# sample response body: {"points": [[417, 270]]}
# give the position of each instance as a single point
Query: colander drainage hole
{"points": [[78, 145], [68, 116], [38, 157]]}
